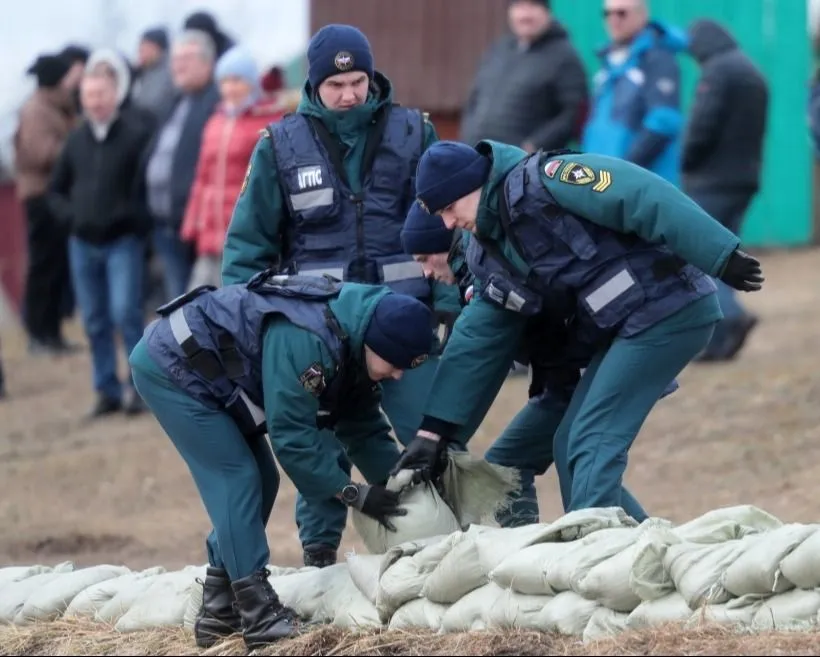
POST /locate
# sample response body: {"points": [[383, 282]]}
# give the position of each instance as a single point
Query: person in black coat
{"points": [[94, 190], [722, 155]]}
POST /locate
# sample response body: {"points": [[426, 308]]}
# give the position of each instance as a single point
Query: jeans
{"points": [[176, 257], [108, 282]]}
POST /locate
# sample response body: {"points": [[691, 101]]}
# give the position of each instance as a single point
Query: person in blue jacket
{"points": [[294, 357], [636, 106], [596, 241], [326, 192]]}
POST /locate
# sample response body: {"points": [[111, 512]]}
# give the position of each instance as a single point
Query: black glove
{"points": [[376, 502], [422, 454], [742, 272]]}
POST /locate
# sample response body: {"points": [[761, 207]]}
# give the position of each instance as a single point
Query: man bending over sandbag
{"points": [[307, 350], [555, 352]]}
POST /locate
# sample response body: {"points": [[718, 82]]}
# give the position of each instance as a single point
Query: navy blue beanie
{"points": [[448, 171], [425, 234], [338, 49], [401, 331]]}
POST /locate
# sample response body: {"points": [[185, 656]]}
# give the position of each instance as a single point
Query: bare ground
{"points": [[115, 491]]}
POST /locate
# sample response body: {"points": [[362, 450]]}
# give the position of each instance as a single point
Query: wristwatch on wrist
{"points": [[350, 494]]}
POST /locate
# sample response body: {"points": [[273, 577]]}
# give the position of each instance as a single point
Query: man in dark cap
{"points": [[153, 89], [327, 191], [46, 119], [202, 20]]}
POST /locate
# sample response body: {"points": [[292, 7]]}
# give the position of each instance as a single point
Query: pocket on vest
{"points": [[613, 295], [572, 233], [310, 195]]}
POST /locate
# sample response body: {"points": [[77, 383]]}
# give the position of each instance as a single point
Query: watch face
{"points": [[350, 493]]}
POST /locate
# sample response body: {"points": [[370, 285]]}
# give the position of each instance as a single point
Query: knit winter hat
{"points": [[49, 70], [425, 234], [157, 35], [240, 63], [448, 171], [401, 331], [338, 49]]}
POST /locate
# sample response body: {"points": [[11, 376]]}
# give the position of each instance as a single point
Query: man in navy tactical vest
{"points": [[327, 191], [286, 356], [548, 345], [596, 241]]}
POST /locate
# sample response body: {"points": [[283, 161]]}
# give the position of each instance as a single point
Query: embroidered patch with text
{"points": [[313, 379]]}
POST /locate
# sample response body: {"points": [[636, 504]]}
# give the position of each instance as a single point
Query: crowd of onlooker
{"points": [[128, 171]]}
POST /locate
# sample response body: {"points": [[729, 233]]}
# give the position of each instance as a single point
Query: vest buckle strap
{"points": [[201, 361]]}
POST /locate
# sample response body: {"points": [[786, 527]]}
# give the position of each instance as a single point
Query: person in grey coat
{"points": [[531, 87], [153, 89], [722, 155]]}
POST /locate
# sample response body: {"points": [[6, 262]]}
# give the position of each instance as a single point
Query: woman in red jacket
{"points": [[227, 143]]}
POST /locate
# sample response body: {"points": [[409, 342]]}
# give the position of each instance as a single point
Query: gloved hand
{"points": [[742, 272], [422, 454], [378, 503]]}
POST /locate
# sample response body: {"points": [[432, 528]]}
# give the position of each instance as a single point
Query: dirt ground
{"points": [[116, 491]]}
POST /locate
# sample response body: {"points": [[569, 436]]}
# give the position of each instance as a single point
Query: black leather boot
{"points": [[265, 619], [217, 617], [319, 556]]}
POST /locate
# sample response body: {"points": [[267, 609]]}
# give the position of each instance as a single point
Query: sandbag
{"points": [[315, 594], [525, 571], [353, 610], [727, 524], [468, 613], [124, 599], [475, 489], [604, 624], [419, 614], [668, 609], [589, 551], [757, 570], [404, 579], [163, 603], [608, 581], [461, 569], [516, 611], [365, 571], [12, 574], [697, 569], [49, 601], [90, 600], [738, 612], [427, 515], [567, 613], [802, 567], [794, 609], [15, 594], [648, 577]]}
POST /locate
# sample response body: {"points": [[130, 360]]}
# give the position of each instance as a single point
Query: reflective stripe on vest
{"points": [[399, 271]]}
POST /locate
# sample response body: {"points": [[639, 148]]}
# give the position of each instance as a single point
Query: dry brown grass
{"points": [[86, 638]]}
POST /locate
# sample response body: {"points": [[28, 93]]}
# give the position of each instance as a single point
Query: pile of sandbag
{"points": [[591, 573]]}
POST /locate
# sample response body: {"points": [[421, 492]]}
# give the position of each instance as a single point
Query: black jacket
{"points": [[537, 95], [95, 186], [723, 144]]}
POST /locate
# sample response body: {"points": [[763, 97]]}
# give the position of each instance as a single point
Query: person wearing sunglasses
{"points": [[636, 113]]}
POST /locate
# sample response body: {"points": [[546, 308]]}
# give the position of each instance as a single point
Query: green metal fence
{"points": [[774, 34]]}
